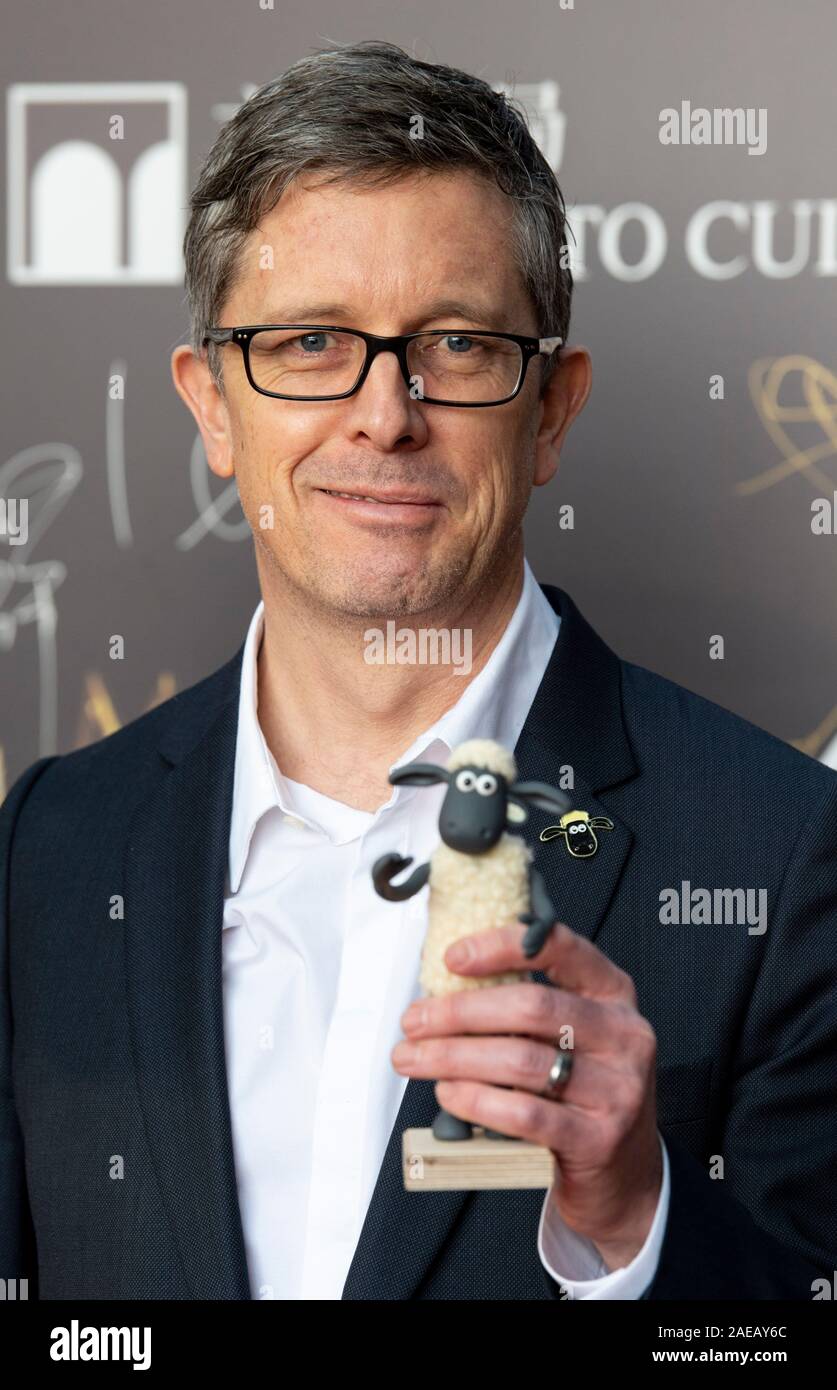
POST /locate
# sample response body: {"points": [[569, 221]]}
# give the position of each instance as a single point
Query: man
{"points": [[208, 1054]]}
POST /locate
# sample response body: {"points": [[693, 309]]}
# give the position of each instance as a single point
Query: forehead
{"points": [[421, 241]]}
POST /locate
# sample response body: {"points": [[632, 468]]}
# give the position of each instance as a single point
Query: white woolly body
{"points": [[472, 893]]}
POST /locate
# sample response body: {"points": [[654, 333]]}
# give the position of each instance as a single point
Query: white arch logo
{"points": [[65, 211]]}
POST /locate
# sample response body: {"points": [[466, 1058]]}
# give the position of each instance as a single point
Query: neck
{"points": [[336, 723]]}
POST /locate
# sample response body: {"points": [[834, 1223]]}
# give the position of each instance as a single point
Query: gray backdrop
{"points": [[693, 515]]}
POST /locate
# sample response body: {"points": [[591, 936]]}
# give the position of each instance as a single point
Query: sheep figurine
{"points": [[479, 876]]}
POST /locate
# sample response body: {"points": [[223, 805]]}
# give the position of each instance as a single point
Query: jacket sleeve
{"points": [[767, 1229], [17, 1238]]}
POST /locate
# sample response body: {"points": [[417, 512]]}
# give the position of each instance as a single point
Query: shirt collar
{"points": [[494, 704]]}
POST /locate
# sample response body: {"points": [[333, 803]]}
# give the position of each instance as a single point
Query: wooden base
{"points": [[432, 1165]]}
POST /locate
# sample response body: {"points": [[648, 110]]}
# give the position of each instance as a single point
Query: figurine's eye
{"points": [[465, 780], [574, 829], [486, 784]]}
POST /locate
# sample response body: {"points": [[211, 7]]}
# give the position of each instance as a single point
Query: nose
{"points": [[484, 832], [384, 411]]}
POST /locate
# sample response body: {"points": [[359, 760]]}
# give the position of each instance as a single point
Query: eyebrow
{"points": [[331, 312]]}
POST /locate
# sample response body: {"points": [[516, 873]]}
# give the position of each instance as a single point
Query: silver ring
{"points": [[559, 1074]]}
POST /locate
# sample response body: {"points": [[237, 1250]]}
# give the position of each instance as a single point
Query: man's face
{"points": [[423, 253]]}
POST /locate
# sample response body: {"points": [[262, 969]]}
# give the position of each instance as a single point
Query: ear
{"points": [[541, 796], [515, 815], [563, 397], [418, 775], [195, 385], [601, 822], [553, 832]]}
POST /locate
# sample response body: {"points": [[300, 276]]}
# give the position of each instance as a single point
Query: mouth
{"points": [[403, 506], [399, 499]]}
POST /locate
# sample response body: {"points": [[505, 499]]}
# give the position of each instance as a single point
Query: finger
{"points": [[519, 1114], [519, 1062], [538, 1011], [567, 958]]}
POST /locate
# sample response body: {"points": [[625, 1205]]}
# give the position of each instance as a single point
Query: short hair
{"points": [[346, 113]]}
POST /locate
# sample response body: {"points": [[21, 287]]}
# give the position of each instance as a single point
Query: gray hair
{"points": [[346, 112]]}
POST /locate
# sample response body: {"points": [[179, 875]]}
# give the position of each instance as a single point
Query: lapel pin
{"points": [[579, 831]]}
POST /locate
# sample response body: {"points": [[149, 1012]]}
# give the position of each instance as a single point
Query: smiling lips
{"points": [[390, 498]]}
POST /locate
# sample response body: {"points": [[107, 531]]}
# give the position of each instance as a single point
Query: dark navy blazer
{"points": [[111, 1031]]}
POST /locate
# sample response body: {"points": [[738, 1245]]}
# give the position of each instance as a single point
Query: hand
{"points": [[602, 1130]]}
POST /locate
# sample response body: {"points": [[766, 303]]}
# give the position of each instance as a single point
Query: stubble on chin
{"points": [[360, 590]]}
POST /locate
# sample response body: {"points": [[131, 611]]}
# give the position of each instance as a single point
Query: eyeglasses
{"points": [[321, 362]]}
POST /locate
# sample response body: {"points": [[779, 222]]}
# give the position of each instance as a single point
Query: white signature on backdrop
{"points": [[47, 475]]}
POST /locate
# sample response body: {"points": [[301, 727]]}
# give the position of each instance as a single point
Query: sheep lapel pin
{"points": [[480, 877], [578, 829]]}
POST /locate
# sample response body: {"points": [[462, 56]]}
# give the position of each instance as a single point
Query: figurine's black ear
{"points": [[541, 795], [418, 775]]}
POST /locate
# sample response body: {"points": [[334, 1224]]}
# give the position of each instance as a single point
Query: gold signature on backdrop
{"points": [[808, 413], [812, 411], [814, 743], [98, 716]]}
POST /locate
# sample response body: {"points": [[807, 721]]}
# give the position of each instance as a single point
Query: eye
{"points": [[458, 342], [486, 784], [574, 829], [465, 780], [313, 343]]}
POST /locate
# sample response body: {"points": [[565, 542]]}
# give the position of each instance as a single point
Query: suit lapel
{"points": [[576, 721], [176, 858], [580, 889]]}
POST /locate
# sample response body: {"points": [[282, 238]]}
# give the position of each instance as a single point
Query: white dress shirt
{"points": [[317, 972]]}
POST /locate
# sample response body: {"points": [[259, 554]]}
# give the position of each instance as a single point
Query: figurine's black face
{"points": [[473, 814]]}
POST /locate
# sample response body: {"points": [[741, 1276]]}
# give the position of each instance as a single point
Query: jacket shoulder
{"points": [[113, 772], [668, 722]]}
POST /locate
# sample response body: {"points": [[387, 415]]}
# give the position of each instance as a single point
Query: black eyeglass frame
{"points": [[242, 335]]}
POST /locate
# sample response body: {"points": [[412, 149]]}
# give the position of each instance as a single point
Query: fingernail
{"points": [[459, 954], [413, 1018]]}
